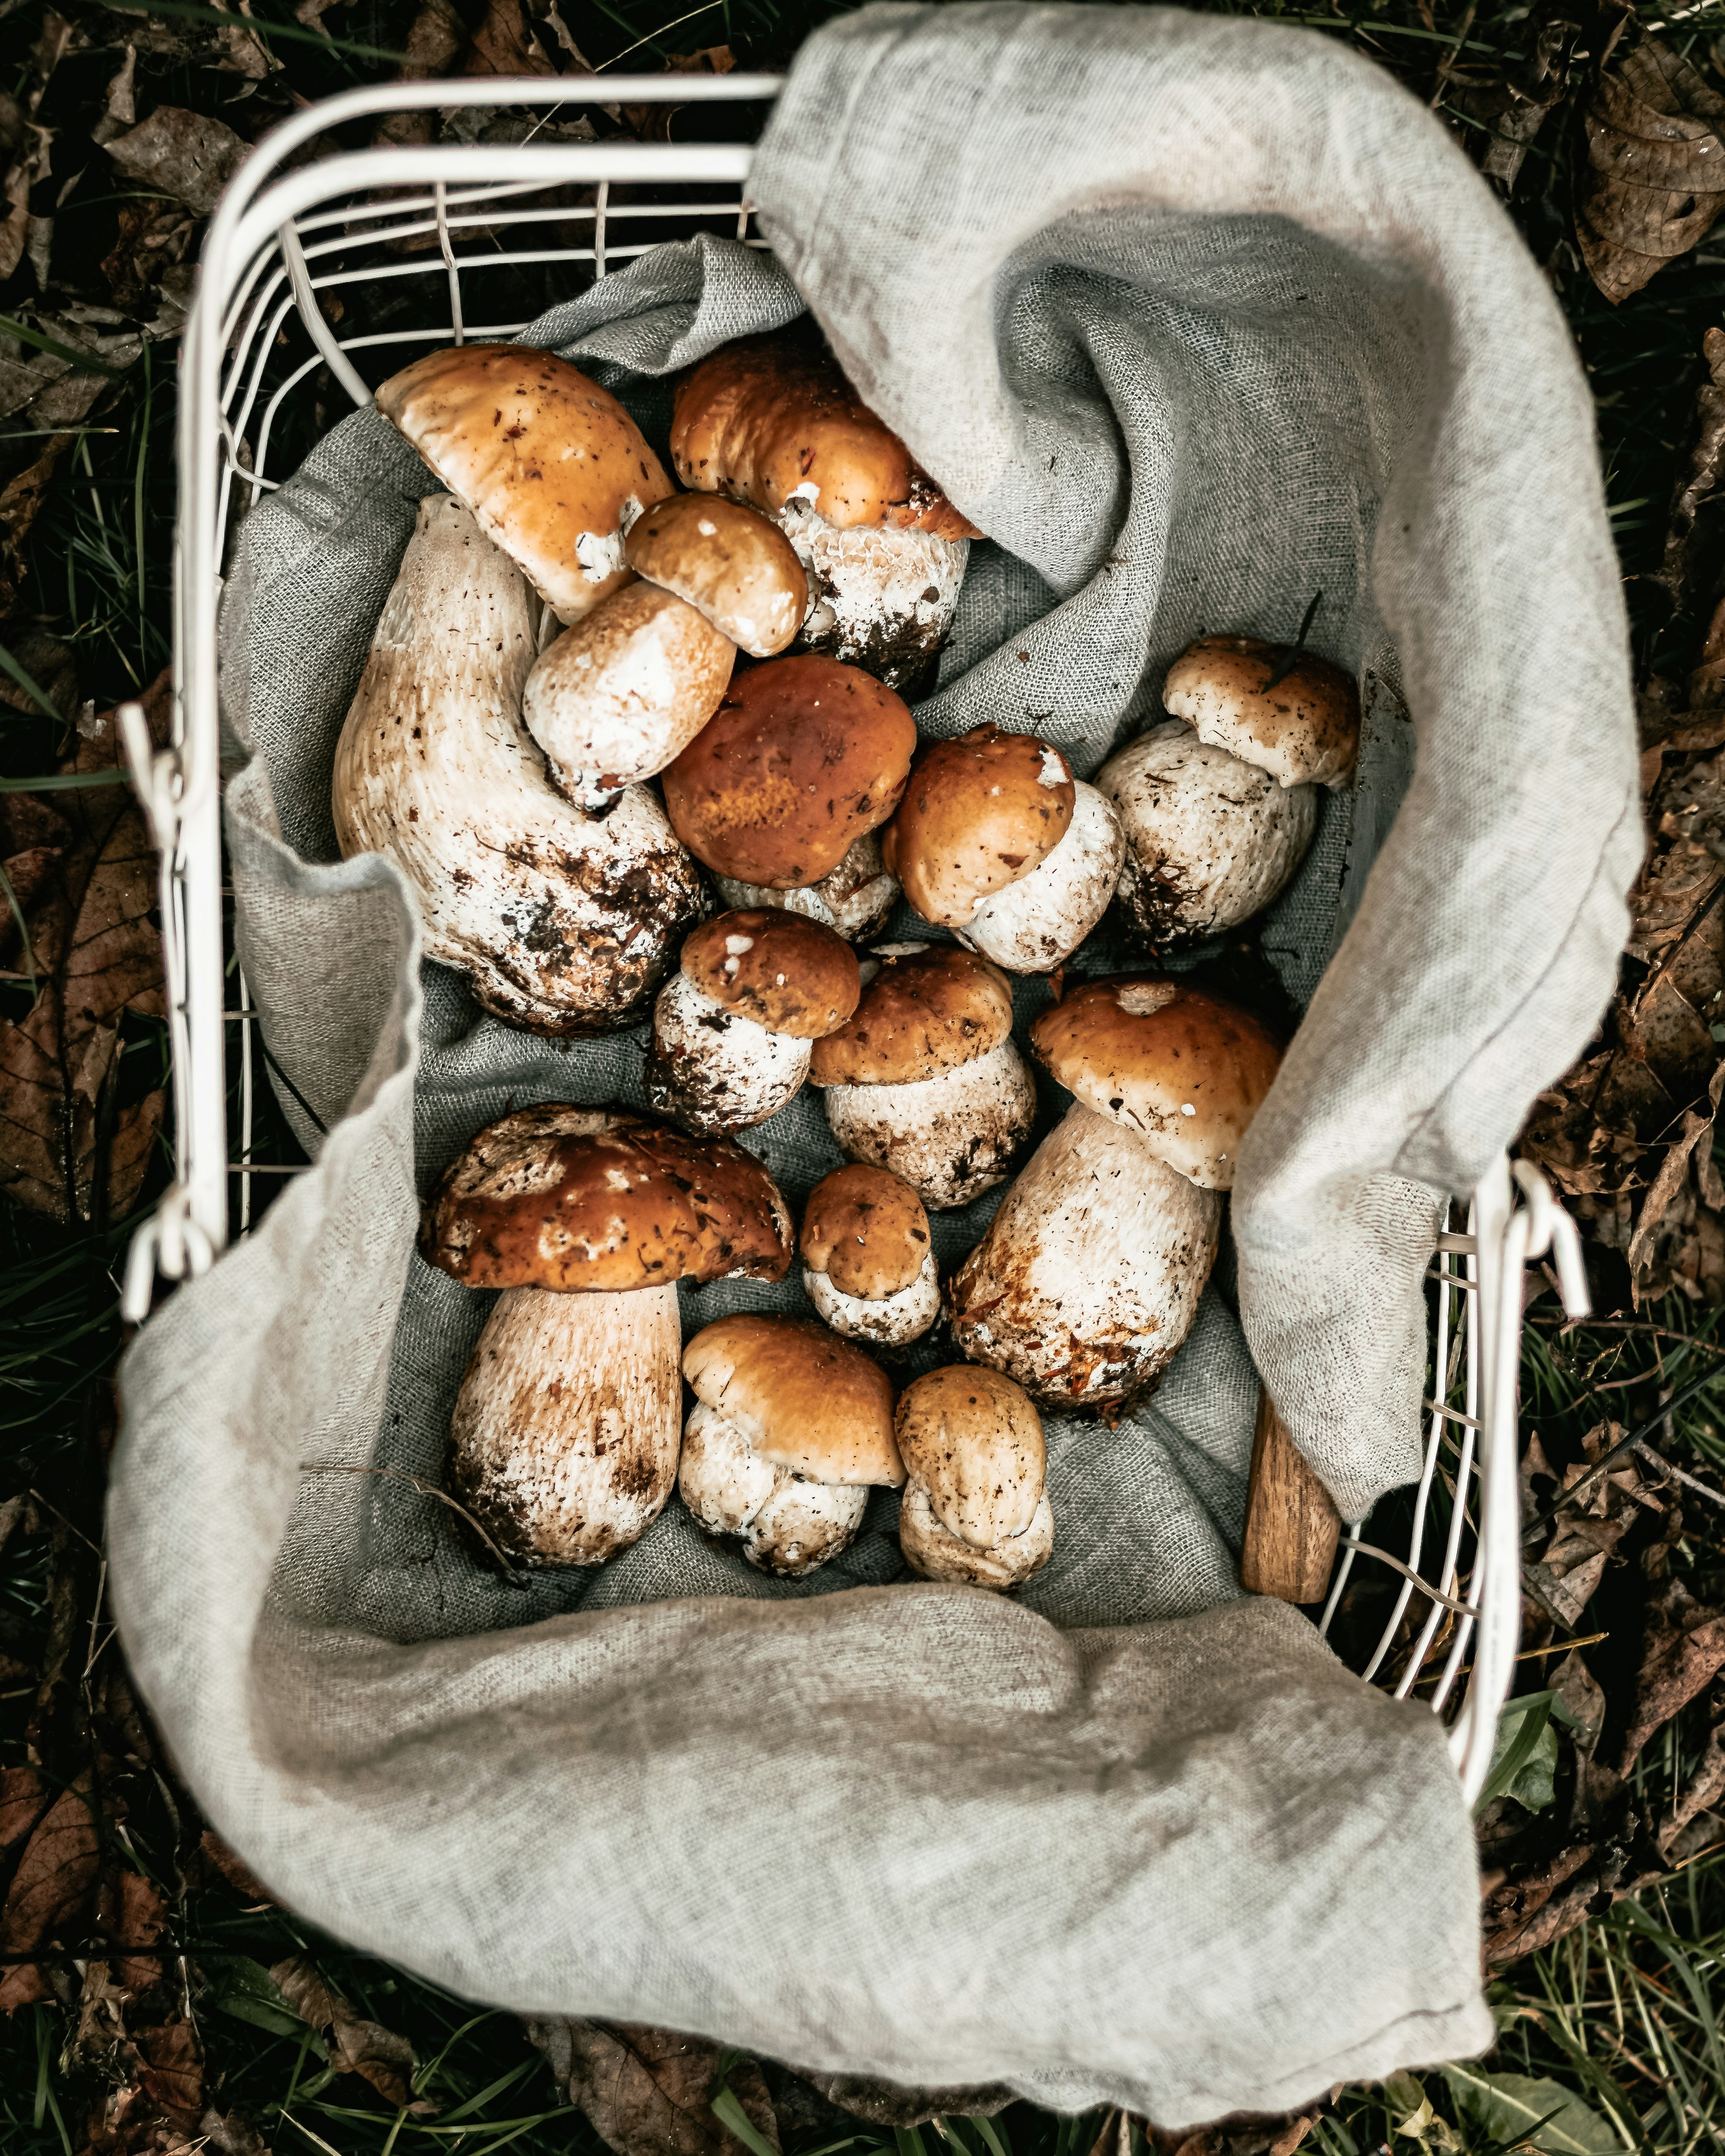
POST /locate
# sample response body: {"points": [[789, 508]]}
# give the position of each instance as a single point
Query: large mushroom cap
{"points": [[1304, 731], [1182, 1068], [584, 1201], [550, 463], [767, 417], [866, 1229], [805, 1399], [740, 570], [979, 812], [930, 1008], [973, 1438], [783, 971], [801, 758]]}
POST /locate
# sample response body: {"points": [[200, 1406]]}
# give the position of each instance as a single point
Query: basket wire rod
{"points": [[1350, 1550], [312, 315], [1451, 1575], [245, 1105], [601, 202], [440, 194], [239, 328], [346, 237], [745, 211]]}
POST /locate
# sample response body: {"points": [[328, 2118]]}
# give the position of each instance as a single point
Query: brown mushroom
{"points": [[974, 1507], [1304, 731], [739, 569], [868, 1256]]}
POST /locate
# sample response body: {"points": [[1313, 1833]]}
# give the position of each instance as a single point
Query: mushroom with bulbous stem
{"points": [[975, 1508], [852, 900], [868, 1257]]}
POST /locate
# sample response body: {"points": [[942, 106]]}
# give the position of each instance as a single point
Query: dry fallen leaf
{"points": [[1512, 109], [889, 2104], [49, 1890], [1656, 176], [1242, 2135], [1683, 1650], [184, 154], [649, 2091], [229, 1866], [354, 2045]]}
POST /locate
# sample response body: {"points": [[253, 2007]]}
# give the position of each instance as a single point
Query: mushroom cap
{"points": [[1304, 731], [930, 1008], [1184, 1068], [739, 570], [971, 1438], [979, 812], [801, 758], [584, 1200], [804, 1398], [866, 1230], [547, 460], [785, 971], [767, 417]]}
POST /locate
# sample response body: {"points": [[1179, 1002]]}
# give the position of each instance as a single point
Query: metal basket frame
{"points": [[266, 260]]}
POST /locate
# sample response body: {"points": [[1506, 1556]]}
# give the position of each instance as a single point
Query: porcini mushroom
{"points": [[733, 1026], [974, 1509], [802, 758], [995, 839], [563, 923], [1302, 727], [924, 1080], [790, 1430], [772, 420], [1089, 1277], [563, 1444], [852, 900], [739, 569], [868, 1258], [552, 466]]}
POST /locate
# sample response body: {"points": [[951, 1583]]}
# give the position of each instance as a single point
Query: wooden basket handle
{"points": [[1291, 1525]]}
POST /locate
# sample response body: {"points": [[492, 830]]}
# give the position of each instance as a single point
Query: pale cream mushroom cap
{"points": [[739, 569], [805, 1399], [1304, 732], [933, 1551], [971, 1438]]}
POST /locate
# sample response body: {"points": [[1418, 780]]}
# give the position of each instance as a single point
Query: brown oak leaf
{"points": [[355, 2044], [49, 1890], [649, 2091], [1656, 176], [1683, 1650]]}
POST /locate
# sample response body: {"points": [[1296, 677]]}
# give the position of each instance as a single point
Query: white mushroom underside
{"points": [[715, 1069], [890, 1319], [854, 900], [788, 1524], [1037, 923], [877, 599], [1209, 840], [931, 1547], [563, 1444], [950, 1137], [1089, 1277]]}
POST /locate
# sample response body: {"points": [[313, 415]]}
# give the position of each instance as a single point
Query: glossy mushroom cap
{"points": [[802, 758], [979, 812], [769, 418], [805, 1399], [1186, 1071], [866, 1229], [1304, 731], [583, 1200], [740, 570], [929, 1010], [550, 463], [783, 971], [973, 1438]]}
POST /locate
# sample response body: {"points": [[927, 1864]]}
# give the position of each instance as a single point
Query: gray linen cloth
{"points": [[1195, 317]]}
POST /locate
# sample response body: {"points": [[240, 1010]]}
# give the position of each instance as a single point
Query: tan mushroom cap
{"points": [[783, 971], [866, 1229], [979, 812], [547, 461], [585, 1201], [1304, 731], [927, 1010], [802, 758], [804, 1398], [1185, 1068], [767, 417], [973, 1438], [739, 570]]}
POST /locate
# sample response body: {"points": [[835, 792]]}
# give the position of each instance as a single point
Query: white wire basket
{"points": [[283, 244]]}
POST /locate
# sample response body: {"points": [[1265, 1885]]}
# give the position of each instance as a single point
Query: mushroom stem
{"points": [[950, 1137]]}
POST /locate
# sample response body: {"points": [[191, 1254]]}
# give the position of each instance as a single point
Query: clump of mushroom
{"points": [[734, 1025], [852, 900], [1089, 1277], [924, 1080], [1219, 804], [772, 420], [562, 924], [790, 1430], [564, 1443], [995, 839], [975, 1508], [868, 1257]]}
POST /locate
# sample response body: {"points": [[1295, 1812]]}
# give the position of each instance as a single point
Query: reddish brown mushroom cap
{"points": [[866, 1229], [980, 811], [782, 970], [925, 1012]]}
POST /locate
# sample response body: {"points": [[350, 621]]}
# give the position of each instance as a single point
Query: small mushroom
{"points": [[854, 900], [563, 1444], [552, 466], [563, 923], [772, 420], [1090, 1274], [924, 1080], [800, 760], [995, 839], [733, 1026], [790, 1430], [974, 1509], [1304, 731], [738, 569], [868, 1258]]}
